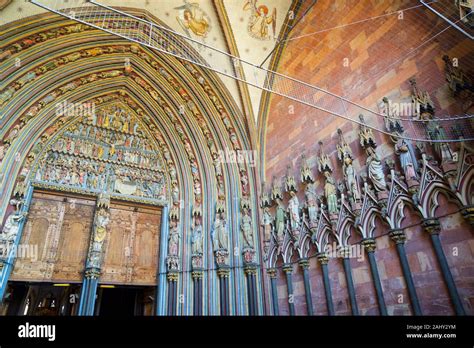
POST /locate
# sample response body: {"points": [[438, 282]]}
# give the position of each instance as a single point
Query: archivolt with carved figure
{"points": [[125, 171], [130, 140]]}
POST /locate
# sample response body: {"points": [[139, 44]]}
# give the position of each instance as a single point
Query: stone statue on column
{"points": [[196, 241], [247, 233], [246, 226], [366, 136], [311, 205], [280, 220], [424, 108], [220, 205], [264, 198], [294, 214], [12, 224], [197, 237], [173, 240], [172, 260], [219, 235], [403, 148], [442, 149], [344, 153], [290, 183], [267, 224], [101, 221], [306, 174], [375, 170], [276, 189], [459, 83], [391, 116], [330, 191], [220, 238], [293, 205], [307, 179], [267, 221], [374, 164]]}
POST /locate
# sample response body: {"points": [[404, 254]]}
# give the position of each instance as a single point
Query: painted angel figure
{"points": [[260, 20], [192, 18]]}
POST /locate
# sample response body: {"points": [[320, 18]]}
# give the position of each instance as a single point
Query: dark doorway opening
{"points": [[43, 299], [15, 298], [125, 301]]}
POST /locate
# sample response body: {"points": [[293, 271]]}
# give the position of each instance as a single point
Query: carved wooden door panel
{"points": [[131, 250], [55, 239]]}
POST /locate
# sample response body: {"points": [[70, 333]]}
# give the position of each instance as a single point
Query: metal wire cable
{"points": [[178, 45]]}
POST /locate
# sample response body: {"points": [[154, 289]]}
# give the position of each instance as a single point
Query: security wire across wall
{"points": [[451, 14], [167, 41]]}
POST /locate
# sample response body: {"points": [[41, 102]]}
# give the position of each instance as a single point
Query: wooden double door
{"points": [[57, 234]]}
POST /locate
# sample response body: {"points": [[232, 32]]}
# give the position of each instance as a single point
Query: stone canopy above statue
{"points": [[107, 150]]}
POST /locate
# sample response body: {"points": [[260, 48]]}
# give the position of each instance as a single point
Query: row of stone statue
{"points": [[107, 152], [108, 145], [109, 178], [219, 238], [290, 218], [88, 130], [98, 167]]}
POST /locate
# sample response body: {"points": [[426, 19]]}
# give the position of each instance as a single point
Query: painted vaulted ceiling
{"points": [[248, 29]]}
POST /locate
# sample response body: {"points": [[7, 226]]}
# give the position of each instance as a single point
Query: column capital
{"points": [[197, 274], [250, 269], [304, 263], [223, 272], [288, 268], [272, 273], [432, 225], [369, 244], [322, 258], [398, 235], [172, 276], [92, 273], [468, 213]]}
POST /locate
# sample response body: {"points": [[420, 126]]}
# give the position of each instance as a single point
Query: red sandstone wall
{"points": [[371, 47]]}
